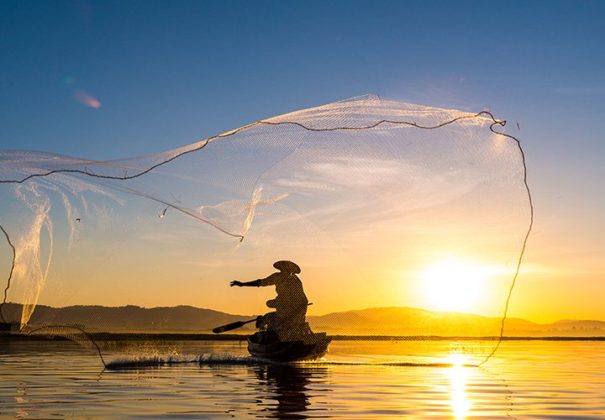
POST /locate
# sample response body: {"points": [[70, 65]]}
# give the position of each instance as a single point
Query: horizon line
{"points": [[325, 314]]}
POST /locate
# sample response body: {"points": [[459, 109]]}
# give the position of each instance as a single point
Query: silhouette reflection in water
{"points": [[288, 385]]}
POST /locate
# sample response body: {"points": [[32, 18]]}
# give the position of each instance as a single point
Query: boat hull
{"points": [[265, 345]]}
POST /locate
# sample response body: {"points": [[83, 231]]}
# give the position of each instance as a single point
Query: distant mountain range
{"points": [[392, 321]]}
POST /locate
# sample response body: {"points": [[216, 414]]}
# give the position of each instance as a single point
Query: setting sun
{"points": [[453, 285]]}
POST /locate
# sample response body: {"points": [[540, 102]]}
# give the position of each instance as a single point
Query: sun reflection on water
{"points": [[458, 375]]}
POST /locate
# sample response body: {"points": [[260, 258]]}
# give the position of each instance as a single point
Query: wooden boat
{"points": [[9, 328], [266, 345]]}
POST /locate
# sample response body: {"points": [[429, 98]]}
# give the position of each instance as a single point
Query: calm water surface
{"points": [[357, 380]]}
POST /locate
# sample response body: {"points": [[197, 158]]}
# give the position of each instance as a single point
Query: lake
{"points": [[356, 380]]}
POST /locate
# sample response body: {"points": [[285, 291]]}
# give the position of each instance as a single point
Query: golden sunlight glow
{"points": [[459, 401], [453, 285]]}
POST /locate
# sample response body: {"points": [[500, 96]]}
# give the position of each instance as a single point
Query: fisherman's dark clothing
{"points": [[288, 320]]}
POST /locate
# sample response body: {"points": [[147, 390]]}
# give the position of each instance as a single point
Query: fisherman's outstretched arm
{"points": [[245, 283], [267, 281]]}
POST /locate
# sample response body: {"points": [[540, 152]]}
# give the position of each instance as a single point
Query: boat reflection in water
{"points": [[287, 389]]}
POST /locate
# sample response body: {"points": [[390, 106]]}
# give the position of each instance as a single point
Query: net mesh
{"points": [[407, 221]]}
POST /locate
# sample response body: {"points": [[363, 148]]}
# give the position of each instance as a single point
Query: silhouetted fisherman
{"points": [[288, 320]]}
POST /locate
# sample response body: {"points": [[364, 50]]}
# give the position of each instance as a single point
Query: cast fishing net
{"points": [[408, 221]]}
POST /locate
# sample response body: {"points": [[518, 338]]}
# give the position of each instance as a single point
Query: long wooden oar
{"points": [[237, 324], [232, 326]]}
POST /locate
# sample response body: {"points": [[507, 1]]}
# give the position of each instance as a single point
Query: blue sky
{"points": [[169, 73]]}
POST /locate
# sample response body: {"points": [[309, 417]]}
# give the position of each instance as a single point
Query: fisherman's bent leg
{"points": [[292, 327]]}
